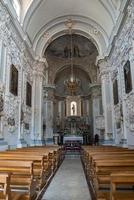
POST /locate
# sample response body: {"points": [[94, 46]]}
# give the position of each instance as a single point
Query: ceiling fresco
{"points": [[61, 47]]}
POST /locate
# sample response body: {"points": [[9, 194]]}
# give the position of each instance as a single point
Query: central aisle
{"points": [[69, 182]]}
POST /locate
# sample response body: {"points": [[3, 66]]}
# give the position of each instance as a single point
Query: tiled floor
{"points": [[69, 182]]}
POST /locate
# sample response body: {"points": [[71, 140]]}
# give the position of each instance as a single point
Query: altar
{"points": [[73, 138]]}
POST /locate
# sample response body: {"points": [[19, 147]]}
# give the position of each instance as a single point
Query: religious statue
{"points": [[73, 109]]}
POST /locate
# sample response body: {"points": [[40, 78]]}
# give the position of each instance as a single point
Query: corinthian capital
{"points": [[39, 67], [103, 63], [104, 66]]}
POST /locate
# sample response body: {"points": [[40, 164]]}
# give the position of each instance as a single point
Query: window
{"points": [[14, 80], [127, 77], [16, 5]]}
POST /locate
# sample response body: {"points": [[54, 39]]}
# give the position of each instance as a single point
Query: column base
{"points": [[3, 145], [123, 143], [38, 143], [21, 143], [49, 141], [131, 146], [107, 142]]}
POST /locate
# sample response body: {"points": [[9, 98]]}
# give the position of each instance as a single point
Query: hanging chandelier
{"points": [[72, 83]]}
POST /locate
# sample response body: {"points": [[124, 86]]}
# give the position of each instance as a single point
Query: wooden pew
{"points": [[39, 166], [121, 179], [101, 162], [21, 177], [53, 162], [5, 193], [50, 163], [52, 155], [45, 162]]}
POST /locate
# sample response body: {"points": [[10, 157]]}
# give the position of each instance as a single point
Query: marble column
{"points": [[49, 112], [95, 90], [3, 143], [37, 104], [21, 142], [60, 109], [107, 99]]}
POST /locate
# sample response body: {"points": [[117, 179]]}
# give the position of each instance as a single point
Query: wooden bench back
{"points": [[5, 186]]}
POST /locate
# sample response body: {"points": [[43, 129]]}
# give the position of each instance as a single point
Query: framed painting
{"points": [[13, 80], [28, 94], [115, 92], [127, 77]]}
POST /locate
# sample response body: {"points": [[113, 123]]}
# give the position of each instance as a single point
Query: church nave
{"points": [[66, 99], [69, 182]]}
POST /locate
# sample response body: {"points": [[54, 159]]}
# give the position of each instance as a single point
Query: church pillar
{"points": [[107, 100], [37, 104], [21, 142], [96, 95], [3, 143], [3, 55], [49, 112]]}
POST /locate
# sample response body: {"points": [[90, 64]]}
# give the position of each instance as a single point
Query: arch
{"points": [[38, 21], [83, 26], [48, 17], [17, 7]]}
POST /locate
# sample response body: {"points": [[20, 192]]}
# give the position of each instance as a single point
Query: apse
{"points": [[80, 55]]}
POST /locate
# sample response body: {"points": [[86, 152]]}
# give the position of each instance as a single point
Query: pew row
{"points": [[100, 162], [44, 161]]}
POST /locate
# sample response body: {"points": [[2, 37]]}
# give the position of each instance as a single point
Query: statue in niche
{"points": [[73, 109], [127, 77], [14, 80]]}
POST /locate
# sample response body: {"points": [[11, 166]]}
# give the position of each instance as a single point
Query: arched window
{"points": [[73, 108], [16, 5]]}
